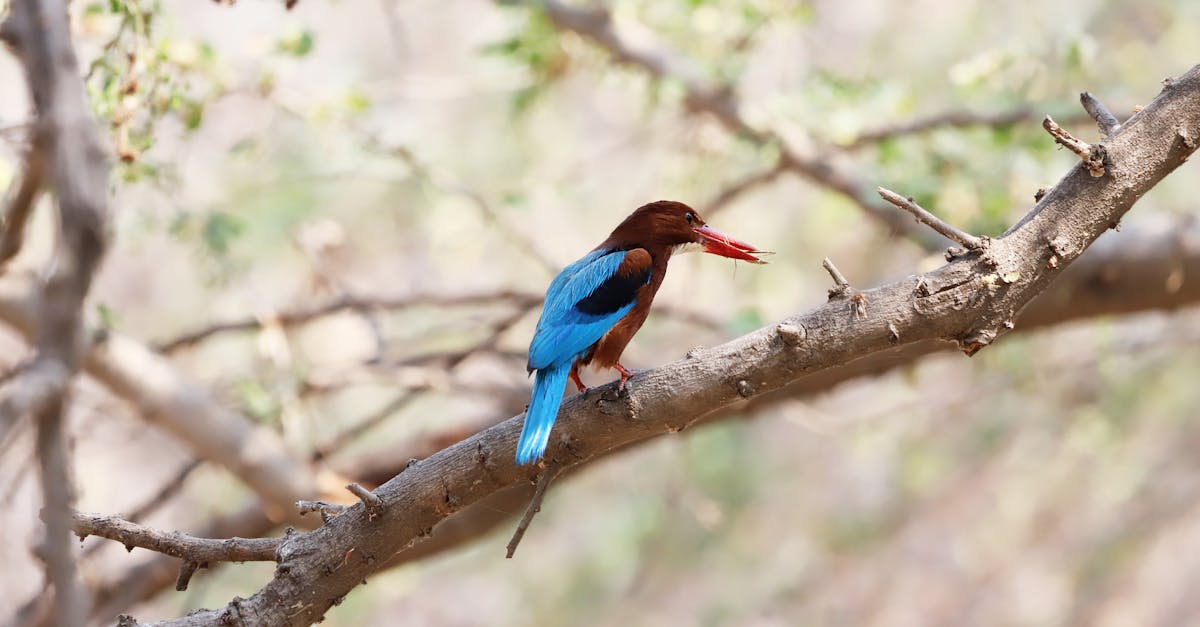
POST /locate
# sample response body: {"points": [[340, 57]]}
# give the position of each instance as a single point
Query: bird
{"points": [[595, 306]]}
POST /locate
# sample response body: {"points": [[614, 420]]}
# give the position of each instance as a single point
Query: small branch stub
{"points": [[792, 334], [371, 500], [1105, 120], [841, 285], [951, 233], [186, 570], [1092, 156], [327, 510]]}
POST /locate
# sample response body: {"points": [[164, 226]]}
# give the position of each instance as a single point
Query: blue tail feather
{"points": [[548, 387]]}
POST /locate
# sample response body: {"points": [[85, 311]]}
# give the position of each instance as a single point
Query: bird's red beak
{"points": [[718, 243]]}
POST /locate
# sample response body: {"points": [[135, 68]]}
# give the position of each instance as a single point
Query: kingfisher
{"points": [[595, 305]]}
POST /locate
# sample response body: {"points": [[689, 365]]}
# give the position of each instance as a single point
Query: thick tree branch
{"points": [[1153, 263], [971, 301], [65, 155]]}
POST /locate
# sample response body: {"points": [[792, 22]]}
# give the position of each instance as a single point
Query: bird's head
{"points": [[678, 228]]}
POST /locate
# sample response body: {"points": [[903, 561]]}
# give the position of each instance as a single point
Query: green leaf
{"points": [[357, 101], [108, 317], [258, 400], [298, 43], [219, 231], [193, 113]]}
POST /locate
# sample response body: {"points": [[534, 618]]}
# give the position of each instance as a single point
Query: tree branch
{"points": [[201, 551], [971, 301], [1152, 264], [142, 582], [726, 197], [535, 505], [951, 233], [302, 315], [943, 119], [720, 101], [163, 397], [958, 118], [21, 205], [1092, 156], [66, 155]]}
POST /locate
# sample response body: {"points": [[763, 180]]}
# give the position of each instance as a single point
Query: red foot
{"points": [[575, 377], [625, 375]]}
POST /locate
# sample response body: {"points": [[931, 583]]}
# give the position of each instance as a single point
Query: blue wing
{"points": [[583, 302]]}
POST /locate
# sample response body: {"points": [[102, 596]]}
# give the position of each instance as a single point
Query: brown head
{"points": [[666, 226]]}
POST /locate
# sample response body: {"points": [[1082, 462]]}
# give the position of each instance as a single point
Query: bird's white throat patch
{"points": [[690, 247]]}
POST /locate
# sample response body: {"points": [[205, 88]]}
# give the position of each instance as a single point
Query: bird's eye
{"points": [[690, 217]]}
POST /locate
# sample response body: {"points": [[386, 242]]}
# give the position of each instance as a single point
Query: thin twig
{"points": [[943, 119], [1092, 156], [447, 184], [928, 219], [535, 506], [376, 418], [726, 196], [349, 302], [1104, 118], [175, 544]]}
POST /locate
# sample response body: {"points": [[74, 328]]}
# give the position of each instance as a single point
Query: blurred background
{"points": [[335, 223]]}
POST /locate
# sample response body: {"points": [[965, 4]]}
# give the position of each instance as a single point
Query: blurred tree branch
{"points": [[66, 156], [970, 301], [164, 397], [955, 118], [350, 302], [525, 302], [720, 101], [21, 206]]}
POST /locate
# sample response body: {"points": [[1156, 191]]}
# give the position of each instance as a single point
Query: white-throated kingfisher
{"points": [[595, 305]]}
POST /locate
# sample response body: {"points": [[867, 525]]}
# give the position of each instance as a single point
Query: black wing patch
{"points": [[621, 288]]}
